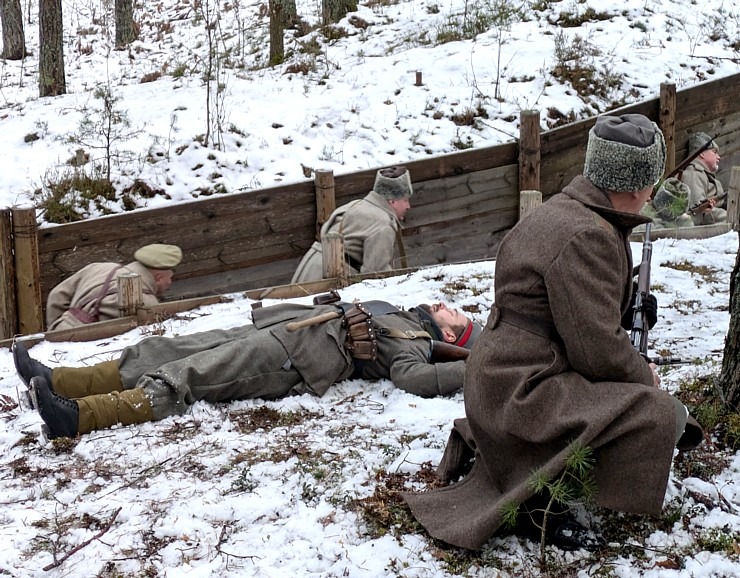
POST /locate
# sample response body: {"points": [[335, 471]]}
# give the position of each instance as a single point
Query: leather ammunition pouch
{"points": [[361, 341], [326, 298]]}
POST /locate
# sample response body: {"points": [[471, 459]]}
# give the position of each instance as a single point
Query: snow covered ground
{"points": [[304, 486]]}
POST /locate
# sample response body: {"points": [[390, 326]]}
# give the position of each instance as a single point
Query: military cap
{"points": [[158, 256]]}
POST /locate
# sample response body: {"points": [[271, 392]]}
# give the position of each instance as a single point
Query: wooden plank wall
{"points": [[463, 204]]}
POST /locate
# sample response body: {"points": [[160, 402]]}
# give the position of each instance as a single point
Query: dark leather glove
{"points": [[650, 307]]}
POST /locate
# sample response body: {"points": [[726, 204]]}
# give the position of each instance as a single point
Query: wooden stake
{"points": [[528, 200], [8, 313], [529, 150], [130, 294], [27, 272], [667, 122], [733, 198], [334, 262], [325, 198]]}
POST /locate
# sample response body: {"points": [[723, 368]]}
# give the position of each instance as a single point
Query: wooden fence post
{"points": [[27, 272], [529, 150], [528, 200], [334, 263], [733, 198], [130, 294], [8, 313], [325, 198], [667, 122]]}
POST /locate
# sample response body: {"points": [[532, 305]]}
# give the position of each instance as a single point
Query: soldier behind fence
{"points": [[371, 228], [701, 178], [91, 294]]}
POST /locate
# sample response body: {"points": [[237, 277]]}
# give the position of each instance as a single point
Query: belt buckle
{"points": [[410, 334]]}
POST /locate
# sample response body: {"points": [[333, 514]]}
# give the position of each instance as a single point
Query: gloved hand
{"points": [[650, 307]]}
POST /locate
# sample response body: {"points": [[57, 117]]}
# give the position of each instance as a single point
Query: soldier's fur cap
{"points": [[625, 153], [393, 183], [698, 140]]}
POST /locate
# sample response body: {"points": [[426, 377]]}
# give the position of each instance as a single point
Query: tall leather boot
{"points": [[78, 382], [67, 418]]}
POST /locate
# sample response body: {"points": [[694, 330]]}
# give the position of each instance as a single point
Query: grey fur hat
{"points": [[625, 153], [698, 140], [393, 183]]}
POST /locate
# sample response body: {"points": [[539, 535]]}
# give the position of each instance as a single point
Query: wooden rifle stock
{"points": [[443, 352], [704, 203]]}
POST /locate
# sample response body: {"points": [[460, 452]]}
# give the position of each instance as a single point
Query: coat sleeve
{"points": [[585, 284], [415, 375], [60, 298]]}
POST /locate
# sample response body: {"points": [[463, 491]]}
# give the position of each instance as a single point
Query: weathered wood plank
{"points": [[8, 313]]}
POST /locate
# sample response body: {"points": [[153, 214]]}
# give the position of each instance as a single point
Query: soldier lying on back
{"points": [[271, 358]]}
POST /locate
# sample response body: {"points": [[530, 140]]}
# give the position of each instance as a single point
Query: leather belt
{"points": [[527, 323]]}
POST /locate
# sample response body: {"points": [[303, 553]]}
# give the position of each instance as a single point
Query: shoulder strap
{"points": [[401, 334], [97, 300]]}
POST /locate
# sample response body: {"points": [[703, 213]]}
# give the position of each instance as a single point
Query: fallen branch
{"points": [[79, 547]]}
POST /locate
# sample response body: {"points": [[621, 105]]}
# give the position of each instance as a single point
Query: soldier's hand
{"points": [[650, 307], [656, 377]]}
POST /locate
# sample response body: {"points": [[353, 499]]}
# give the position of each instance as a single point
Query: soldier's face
{"points": [[448, 319], [401, 207], [163, 280], [711, 159]]}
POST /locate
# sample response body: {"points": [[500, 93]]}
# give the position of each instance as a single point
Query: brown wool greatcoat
{"points": [[567, 263], [266, 360]]}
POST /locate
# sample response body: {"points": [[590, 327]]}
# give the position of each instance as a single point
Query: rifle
{"points": [[678, 170], [443, 352], [704, 203], [639, 333]]}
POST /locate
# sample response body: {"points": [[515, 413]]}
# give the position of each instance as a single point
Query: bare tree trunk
{"points": [[277, 47], [14, 39], [335, 10], [729, 381], [125, 27], [290, 13], [51, 49]]}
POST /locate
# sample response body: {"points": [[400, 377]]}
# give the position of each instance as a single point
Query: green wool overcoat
{"points": [[265, 360], [566, 266]]}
